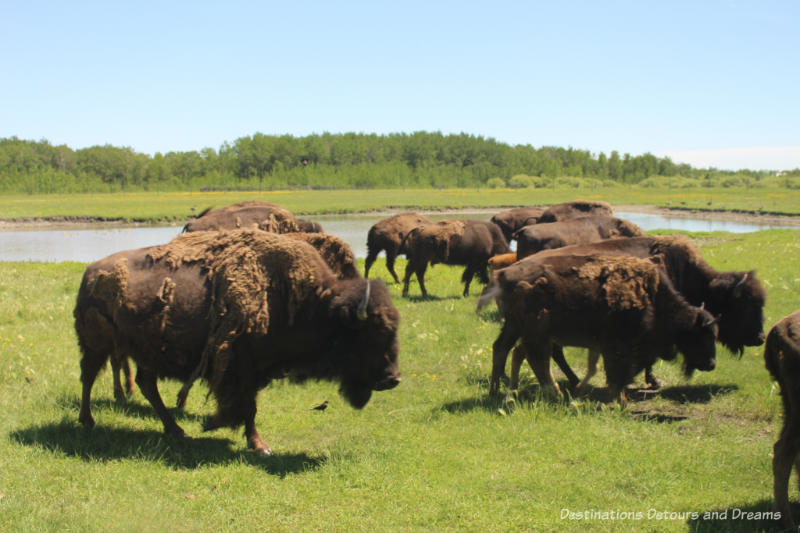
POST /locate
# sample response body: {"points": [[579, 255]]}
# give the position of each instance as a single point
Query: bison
{"points": [[551, 235], [238, 309], [307, 226], [253, 215], [623, 307], [575, 209], [514, 219], [782, 359], [388, 234], [336, 253], [735, 298], [453, 242]]}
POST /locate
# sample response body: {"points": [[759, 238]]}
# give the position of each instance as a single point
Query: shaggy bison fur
{"points": [[238, 309], [453, 242], [388, 234], [623, 307]]}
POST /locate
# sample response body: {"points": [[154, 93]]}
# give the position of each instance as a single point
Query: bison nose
{"points": [[711, 365], [388, 383]]}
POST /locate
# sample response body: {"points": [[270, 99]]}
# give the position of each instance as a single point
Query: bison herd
{"points": [[250, 293]]}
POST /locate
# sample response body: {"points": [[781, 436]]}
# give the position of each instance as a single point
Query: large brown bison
{"points": [[735, 298], [551, 235], [388, 234], [624, 307], [336, 253], [575, 209], [246, 215], [453, 242], [511, 220], [782, 358], [238, 309]]}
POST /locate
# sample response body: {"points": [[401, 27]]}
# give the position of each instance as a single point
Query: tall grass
{"points": [[434, 454]]}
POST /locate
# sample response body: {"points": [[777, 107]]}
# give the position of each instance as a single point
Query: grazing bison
{"points": [[246, 215], [388, 234], [736, 299], [623, 307], [551, 235], [782, 358], [239, 309], [514, 219], [576, 209], [453, 242]]}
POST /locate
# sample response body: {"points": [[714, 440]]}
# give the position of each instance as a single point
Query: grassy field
{"points": [[178, 206], [434, 454]]}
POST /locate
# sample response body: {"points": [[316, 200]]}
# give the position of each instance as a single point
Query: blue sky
{"points": [[711, 83]]}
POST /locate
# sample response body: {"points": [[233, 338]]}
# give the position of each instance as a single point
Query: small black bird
{"points": [[321, 407]]}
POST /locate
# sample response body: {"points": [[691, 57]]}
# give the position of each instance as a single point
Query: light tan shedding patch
{"points": [[627, 283]]}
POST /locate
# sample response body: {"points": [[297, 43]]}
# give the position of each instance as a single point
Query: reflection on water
{"points": [[86, 245]]}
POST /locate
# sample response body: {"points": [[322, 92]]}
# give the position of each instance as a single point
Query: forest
{"points": [[347, 161]]}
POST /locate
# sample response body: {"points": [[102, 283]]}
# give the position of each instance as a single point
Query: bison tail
{"points": [[490, 293]]}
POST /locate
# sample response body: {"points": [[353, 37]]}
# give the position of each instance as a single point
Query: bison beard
{"points": [[239, 309]]}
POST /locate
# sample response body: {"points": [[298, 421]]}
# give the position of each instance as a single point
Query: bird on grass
{"points": [[321, 407]]}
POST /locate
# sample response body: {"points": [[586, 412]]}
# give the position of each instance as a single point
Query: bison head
{"points": [[738, 298], [697, 344], [367, 346]]}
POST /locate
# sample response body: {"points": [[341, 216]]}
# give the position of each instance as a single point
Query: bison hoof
{"points": [[87, 421], [654, 383], [264, 451]]}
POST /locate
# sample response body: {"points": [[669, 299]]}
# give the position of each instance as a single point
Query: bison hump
{"points": [[626, 283]]}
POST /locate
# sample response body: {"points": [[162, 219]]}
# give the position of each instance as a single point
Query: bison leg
{"points": [[91, 363], [539, 359], [784, 455], [119, 363], [591, 370], [651, 379], [504, 342], [561, 361], [391, 255], [371, 256], [466, 278], [147, 381], [254, 441], [407, 277], [617, 377], [517, 356]]}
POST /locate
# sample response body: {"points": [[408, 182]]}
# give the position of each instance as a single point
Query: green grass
{"points": [[434, 454], [178, 206]]}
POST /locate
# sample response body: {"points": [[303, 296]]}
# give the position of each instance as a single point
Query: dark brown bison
{"points": [[453, 242], [551, 235], [246, 215], [575, 209], [336, 253], [735, 298], [511, 220], [624, 307], [238, 309], [308, 226], [388, 234], [782, 358]]}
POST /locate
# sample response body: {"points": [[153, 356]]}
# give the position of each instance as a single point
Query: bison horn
{"points": [[362, 306], [739, 287]]}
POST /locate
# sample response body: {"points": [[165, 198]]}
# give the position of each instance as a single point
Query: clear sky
{"points": [[710, 83]]}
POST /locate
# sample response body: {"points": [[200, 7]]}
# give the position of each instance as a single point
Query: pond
{"points": [[87, 245]]}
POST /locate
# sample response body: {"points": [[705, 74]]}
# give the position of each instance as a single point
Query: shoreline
{"points": [[88, 222]]}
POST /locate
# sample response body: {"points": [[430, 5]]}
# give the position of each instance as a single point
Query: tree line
{"points": [[348, 160]]}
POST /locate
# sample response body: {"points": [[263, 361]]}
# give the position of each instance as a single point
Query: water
{"points": [[87, 245]]}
